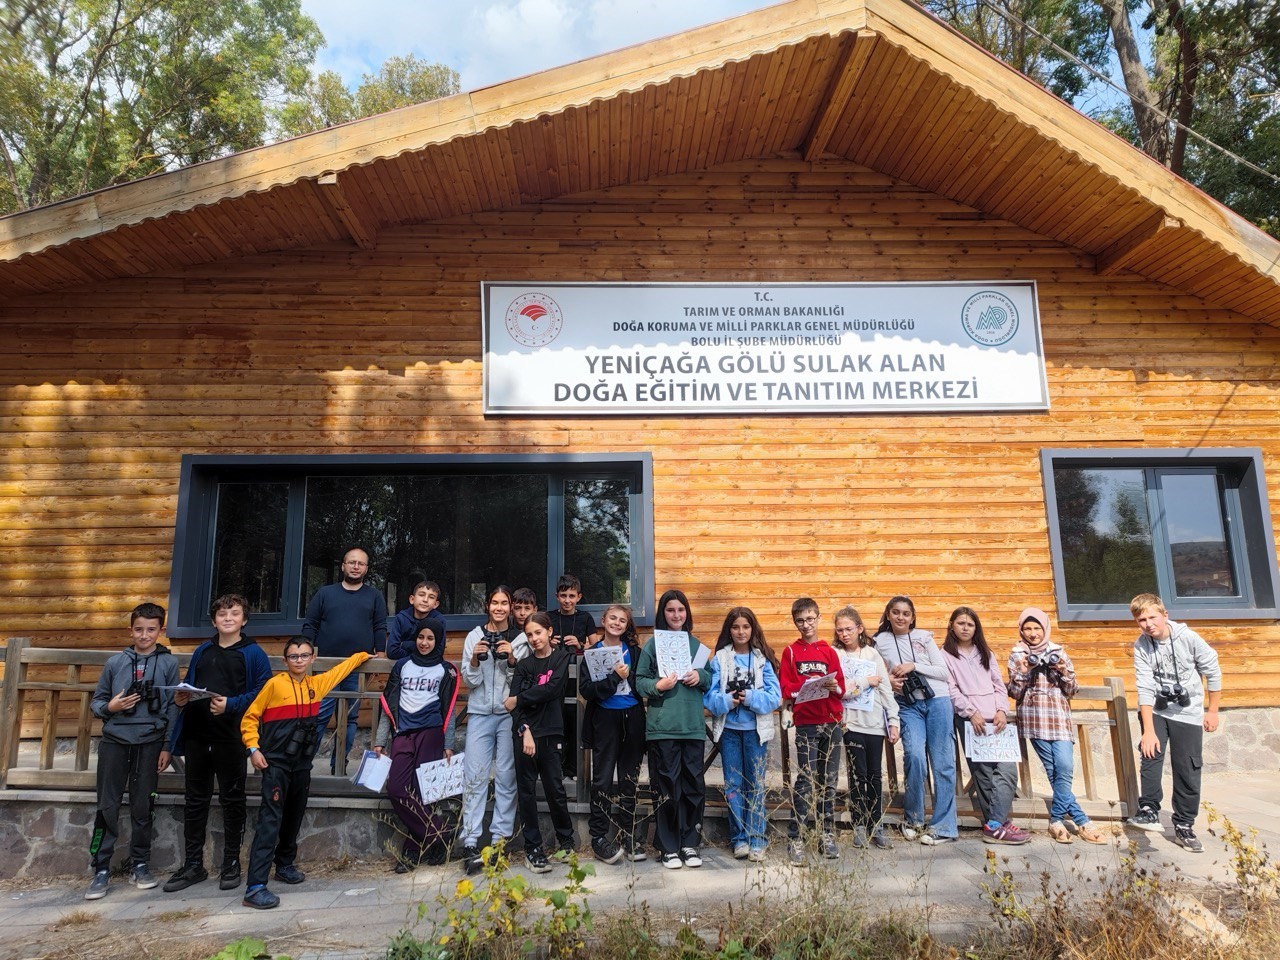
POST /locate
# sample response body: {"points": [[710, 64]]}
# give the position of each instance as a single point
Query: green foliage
{"points": [[401, 82], [99, 92], [246, 948]]}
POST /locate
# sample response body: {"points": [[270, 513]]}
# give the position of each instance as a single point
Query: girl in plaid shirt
{"points": [[1042, 681]]}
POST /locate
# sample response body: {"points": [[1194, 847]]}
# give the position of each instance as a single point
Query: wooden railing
{"points": [[54, 680]]}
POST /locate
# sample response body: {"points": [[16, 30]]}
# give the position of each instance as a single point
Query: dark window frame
{"points": [[191, 570], [1250, 532]]}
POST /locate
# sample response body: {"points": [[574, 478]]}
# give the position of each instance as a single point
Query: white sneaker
{"points": [[691, 857]]}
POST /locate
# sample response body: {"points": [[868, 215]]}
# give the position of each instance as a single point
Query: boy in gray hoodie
{"points": [[136, 718]]}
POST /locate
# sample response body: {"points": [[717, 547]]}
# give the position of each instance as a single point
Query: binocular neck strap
{"points": [[1173, 652]]}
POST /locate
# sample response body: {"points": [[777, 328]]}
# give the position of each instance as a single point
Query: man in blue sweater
{"points": [[344, 618]]}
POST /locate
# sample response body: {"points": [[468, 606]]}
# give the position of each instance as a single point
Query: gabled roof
{"points": [[878, 82]]}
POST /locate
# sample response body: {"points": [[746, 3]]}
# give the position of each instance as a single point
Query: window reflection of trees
{"points": [[597, 538], [249, 544], [1106, 534]]}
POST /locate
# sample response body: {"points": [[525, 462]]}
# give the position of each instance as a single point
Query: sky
{"points": [[488, 41]]}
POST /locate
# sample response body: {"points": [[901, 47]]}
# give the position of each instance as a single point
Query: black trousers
{"points": [[284, 801], [544, 765], [207, 761], [675, 772], [864, 753], [1183, 743], [617, 749], [121, 767]]}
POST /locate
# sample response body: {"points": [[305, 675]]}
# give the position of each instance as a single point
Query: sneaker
{"points": [[911, 831], [1005, 833], [605, 850], [141, 877], [404, 866], [859, 837], [1059, 832], [189, 875], [260, 898], [633, 850], [741, 851], [537, 860], [931, 839], [1091, 834], [229, 878], [562, 854], [436, 854], [1147, 818], [756, 855], [796, 855], [98, 886], [1186, 838], [290, 874], [829, 848], [880, 840], [671, 861], [472, 862], [691, 857]]}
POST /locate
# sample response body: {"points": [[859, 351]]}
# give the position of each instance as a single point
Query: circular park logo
{"points": [[989, 318], [534, 319]]}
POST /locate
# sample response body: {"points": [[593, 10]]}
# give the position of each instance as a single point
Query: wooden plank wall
{"points": [[324, 350]]}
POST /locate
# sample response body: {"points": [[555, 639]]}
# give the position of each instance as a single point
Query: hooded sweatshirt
{"points": [[1043, 693], [143, 724], [1183, 659], [402, 632], [236, 672], [490, 682]]}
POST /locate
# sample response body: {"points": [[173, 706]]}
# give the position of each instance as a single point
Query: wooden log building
{"points": [[213, 379]]}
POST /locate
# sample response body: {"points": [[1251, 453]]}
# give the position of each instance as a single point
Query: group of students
{"points": [[895, 683]]}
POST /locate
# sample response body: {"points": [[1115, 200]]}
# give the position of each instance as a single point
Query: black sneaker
{"points": [[1187, 839], [189, 875], [634, 850], [472, 862], [605, 850], [290, 874], [537, 860], [1146, 819], [229, 878]]}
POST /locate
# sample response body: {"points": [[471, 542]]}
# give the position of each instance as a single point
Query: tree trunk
{"points": [[1189, 54], [1152, 130]]}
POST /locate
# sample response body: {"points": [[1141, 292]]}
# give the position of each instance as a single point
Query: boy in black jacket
{"points": [[537, 690], [234, 668]]}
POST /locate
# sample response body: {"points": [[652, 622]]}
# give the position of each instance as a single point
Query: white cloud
{"points": [[488, 41]]}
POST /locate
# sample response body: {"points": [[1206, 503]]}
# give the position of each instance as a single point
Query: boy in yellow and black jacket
{"points": [[279, 730]]}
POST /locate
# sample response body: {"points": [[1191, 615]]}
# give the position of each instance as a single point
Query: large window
{"points": [[275, 529], [1190, 525]]}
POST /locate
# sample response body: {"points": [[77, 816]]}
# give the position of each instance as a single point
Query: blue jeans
{"points": [[927, 741], [744, 758], [329, 706], [1059, 765]]}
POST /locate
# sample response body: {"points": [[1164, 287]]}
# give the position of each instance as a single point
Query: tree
{"points": [[98, 92], [401, 82]]}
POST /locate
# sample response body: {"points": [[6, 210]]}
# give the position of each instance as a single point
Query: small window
{"points": [[275, 528], [1191, 526]]}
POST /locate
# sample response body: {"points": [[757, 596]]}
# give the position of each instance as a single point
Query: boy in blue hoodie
{"points": [[402, 631], [136, 718], [233, 668]]}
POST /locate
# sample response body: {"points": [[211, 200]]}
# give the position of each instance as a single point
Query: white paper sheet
{"points": [[195, 693], [672, 652], [815, 688], [601, 660], [372, 772], [992, 747], [438, 779], [856, 671]]}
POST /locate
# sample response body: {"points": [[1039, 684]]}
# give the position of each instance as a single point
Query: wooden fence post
{"points": [[1122, 749], [11, 706]]}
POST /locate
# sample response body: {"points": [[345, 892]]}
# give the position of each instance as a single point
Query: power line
{"points": [[1098, 75]]}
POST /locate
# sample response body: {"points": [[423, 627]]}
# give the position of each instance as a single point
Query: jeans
{"points": [[328, 707], [1183, 743], [927, 742], [864, 753], [744, 757], [284, 802], [1059, 764], [817, 770], [489, 750]]}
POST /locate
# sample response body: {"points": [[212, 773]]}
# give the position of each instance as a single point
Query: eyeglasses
{"points": [[806, 621], [299, 657]]}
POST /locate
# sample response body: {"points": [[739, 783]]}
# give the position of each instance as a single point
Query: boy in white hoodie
{"points": [[1169, 660]]}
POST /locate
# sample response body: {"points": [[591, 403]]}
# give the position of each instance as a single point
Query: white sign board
{"points": [[627, 349]]}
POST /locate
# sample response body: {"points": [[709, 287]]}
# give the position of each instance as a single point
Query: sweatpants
{"points": [[817, 771], [284, 801], [488, 753], [206, 761], [994, 784], [546, 765], [422, 826], [1184, 743], [617, 748], [675, 773], [121, 767]]}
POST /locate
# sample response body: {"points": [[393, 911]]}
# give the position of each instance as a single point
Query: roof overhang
{"points": [[879, 82]]}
